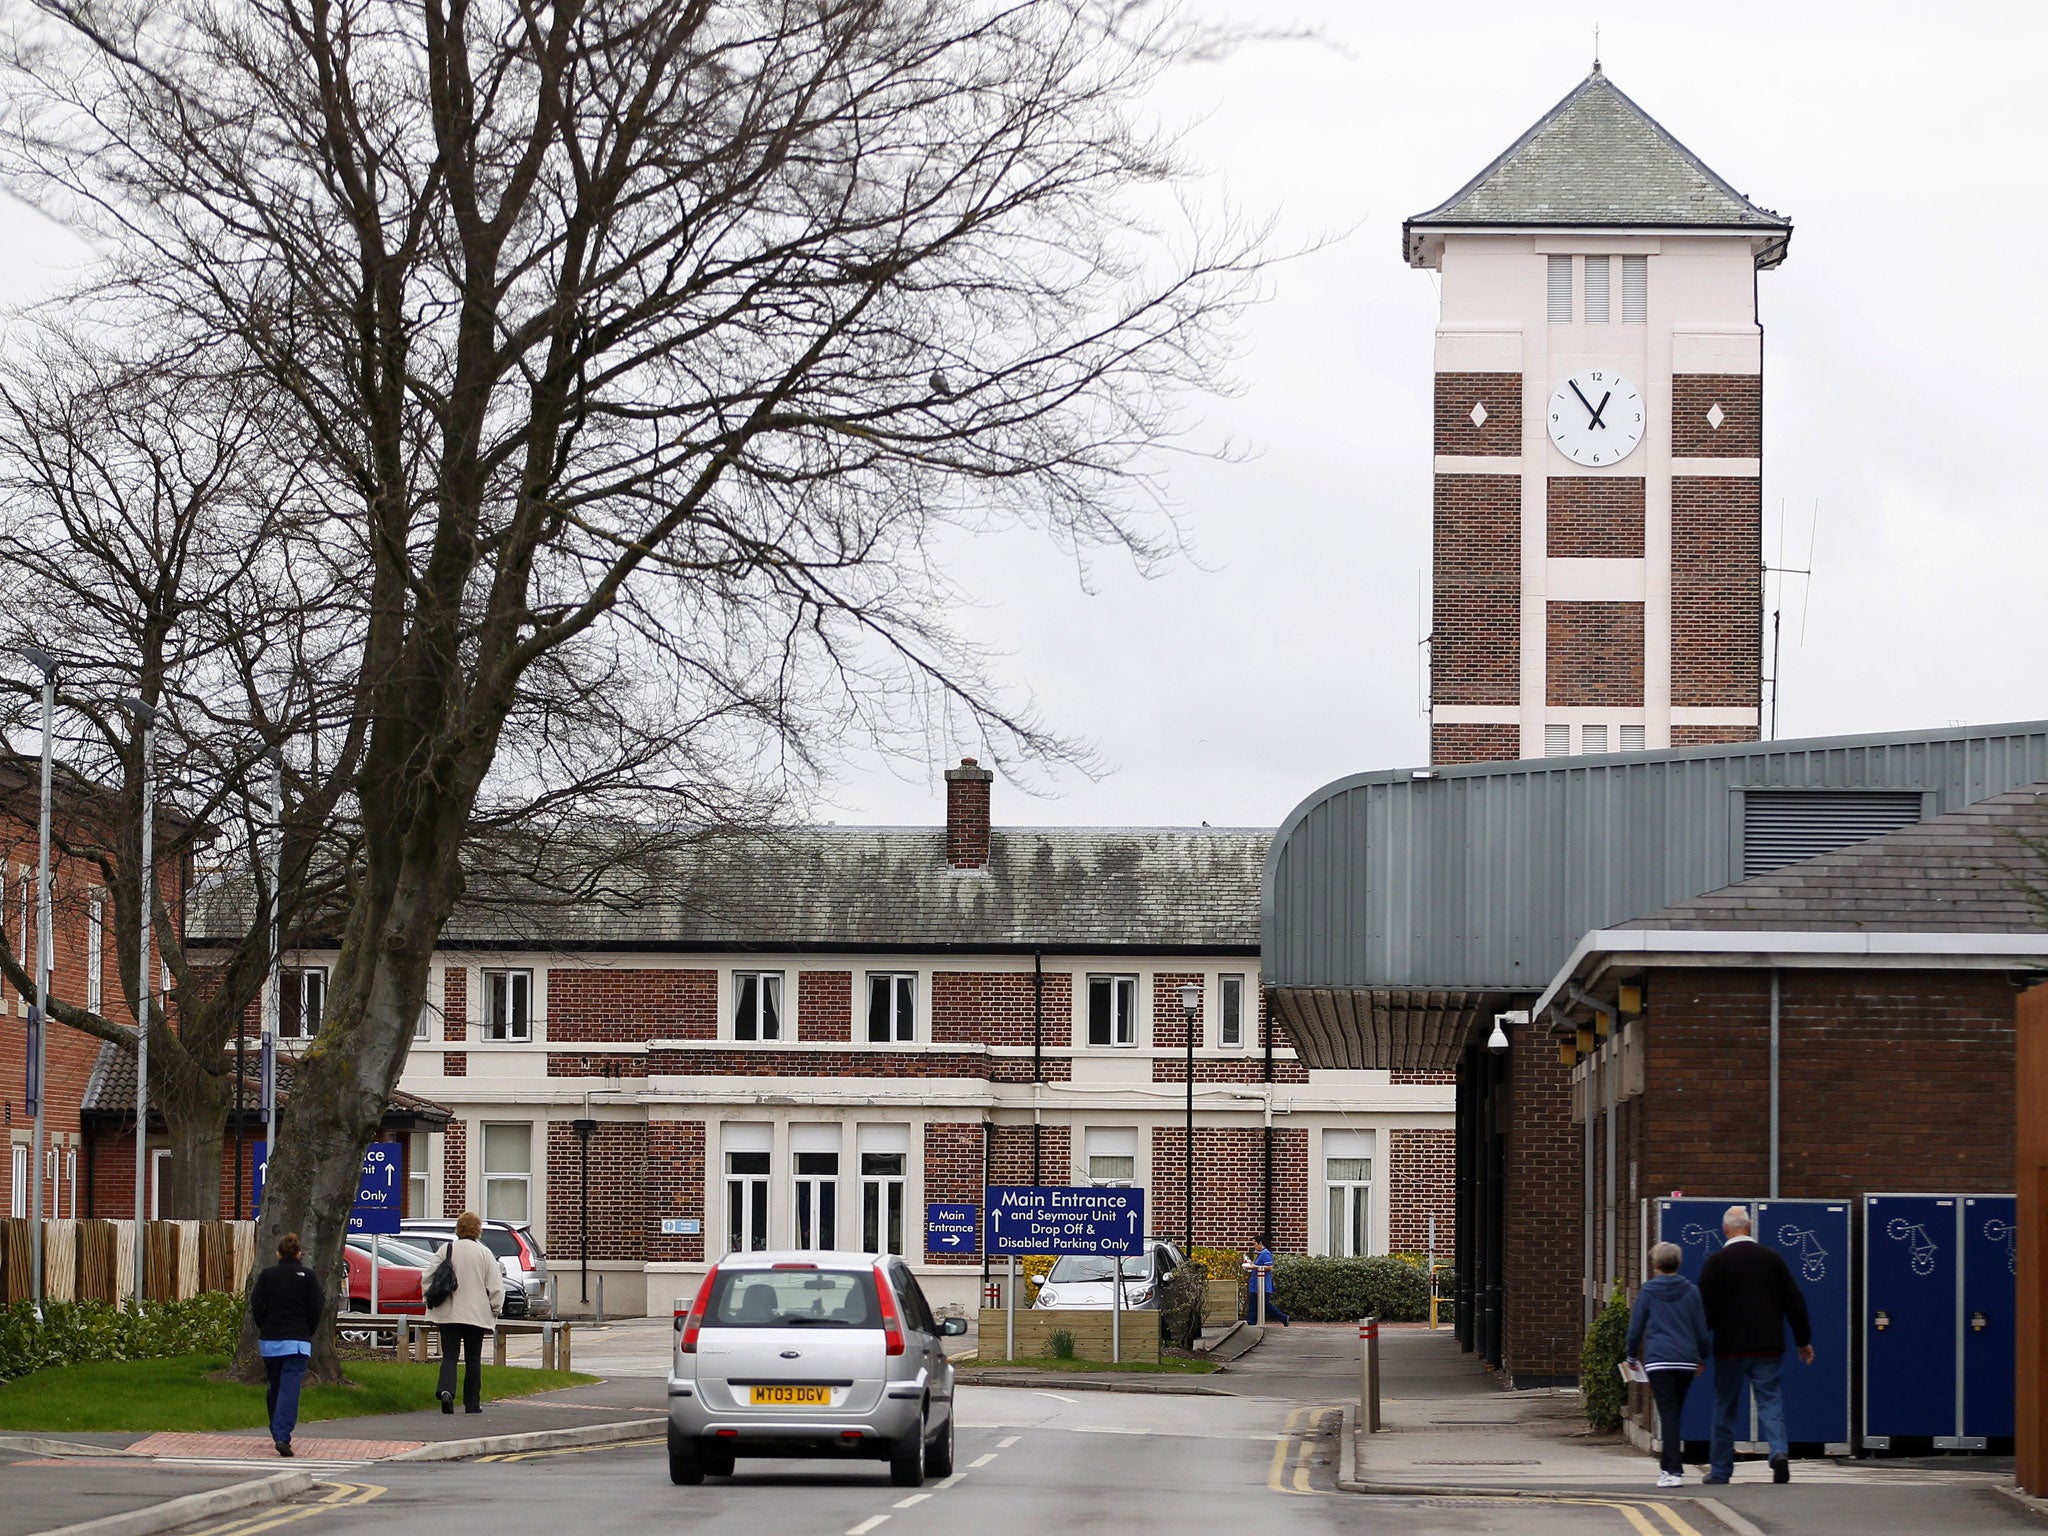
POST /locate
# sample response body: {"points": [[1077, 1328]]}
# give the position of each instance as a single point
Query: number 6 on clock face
{"points": [[1596, 417]]}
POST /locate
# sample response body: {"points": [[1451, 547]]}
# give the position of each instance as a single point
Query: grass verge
{"points": [[1163, 1367], [184, 1393]]}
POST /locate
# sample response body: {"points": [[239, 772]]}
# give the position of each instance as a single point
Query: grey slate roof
{"points": [[1596, 158], [110, 1091], [1966, 871], [882, 888]]}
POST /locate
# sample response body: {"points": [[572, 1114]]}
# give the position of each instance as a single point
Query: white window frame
{"points": [[746, 1200], [757, 1025], [487, 1177], [1122, 1022], [1107, 1177], [307, 981], [884, 1201], [71, 1179], [1230, 1033], [814, 1202], [95, 947], [17, 1180], [159, 1160], [1347, 1207], [515, 985], [419, 1188], [901, 1024]]}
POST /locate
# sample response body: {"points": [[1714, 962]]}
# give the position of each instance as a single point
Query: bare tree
{"points": [[656, 341]]}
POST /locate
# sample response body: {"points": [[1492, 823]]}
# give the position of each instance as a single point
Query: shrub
{"points": [[75, 1331], [1060, 1343], [1600, 1385], [1339, 1290]]}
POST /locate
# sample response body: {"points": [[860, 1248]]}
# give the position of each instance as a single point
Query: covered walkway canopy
{"points": [[1401, 910]]}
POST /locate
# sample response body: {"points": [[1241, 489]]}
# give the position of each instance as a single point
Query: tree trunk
{"points": [[195, 1108]]}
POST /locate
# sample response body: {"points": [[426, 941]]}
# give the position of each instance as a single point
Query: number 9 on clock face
{"points": [[1596, 417]]}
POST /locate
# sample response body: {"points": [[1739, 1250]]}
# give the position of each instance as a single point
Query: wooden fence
{"points": [[1090, 1330], [95, 1260]]}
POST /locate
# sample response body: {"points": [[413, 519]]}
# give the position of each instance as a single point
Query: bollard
{"points": [[1369, 1374], [600, 1301]]}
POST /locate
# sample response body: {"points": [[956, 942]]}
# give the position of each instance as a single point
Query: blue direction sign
{"points": [[379, 1194], [951, 1228], [1024, 1218]]}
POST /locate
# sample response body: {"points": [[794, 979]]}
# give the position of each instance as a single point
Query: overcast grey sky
{"points": [[1904, 390]]}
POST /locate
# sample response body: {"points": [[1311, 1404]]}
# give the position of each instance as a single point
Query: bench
{"points": [[556, 1337]]}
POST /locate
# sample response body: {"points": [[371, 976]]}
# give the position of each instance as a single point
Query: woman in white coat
{"points": [[468, 1314]]}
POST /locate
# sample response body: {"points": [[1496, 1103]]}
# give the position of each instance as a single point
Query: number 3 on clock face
{"points": [[1596, 417]]}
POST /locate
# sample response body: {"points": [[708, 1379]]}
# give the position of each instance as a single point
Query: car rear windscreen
{"points": [[793, 1298], [502, 1243]]}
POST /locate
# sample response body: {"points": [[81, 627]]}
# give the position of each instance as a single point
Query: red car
{"points": [[401, 1276]]}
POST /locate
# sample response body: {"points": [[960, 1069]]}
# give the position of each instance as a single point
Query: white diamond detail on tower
{"points": [[1715, 415], [1478, 414]]}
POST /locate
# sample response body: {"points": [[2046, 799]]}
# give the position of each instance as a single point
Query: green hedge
{"points": [[1600, 1384], [1342, 1290], [76, 1331]]}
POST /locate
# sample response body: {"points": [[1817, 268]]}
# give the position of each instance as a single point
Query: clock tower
{"points": [[1598, 567]]}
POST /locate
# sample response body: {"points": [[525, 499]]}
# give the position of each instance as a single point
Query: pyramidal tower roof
{"points": [[1596, 159]]}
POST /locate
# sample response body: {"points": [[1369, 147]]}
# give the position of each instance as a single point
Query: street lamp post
{"points": [[584, 1129], [145, 717], [1191, 1009], [39, 1015]]}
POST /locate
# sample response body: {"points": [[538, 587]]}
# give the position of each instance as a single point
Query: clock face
{"points": [[1596, 417]]}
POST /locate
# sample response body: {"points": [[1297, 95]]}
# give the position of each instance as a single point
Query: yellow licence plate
{"points": [[789, 1397]]}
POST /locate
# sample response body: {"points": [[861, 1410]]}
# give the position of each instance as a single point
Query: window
{"points": [[416, 1154], [881, 1202], [746, 1188], [757, 1005], [1230, 1010], [1596, 290], [71, 1179], [1560, 290], [817, 1199], [1635, 290], [1632, 738], [1593, 738], [1112, 1010], [508, 1171], [1112, 1156], [302, 1002], [17, 1180], [1347, 1173], [95, 945], [508, 1005], [1557, 741], [892, 1000], [159, 1165]]}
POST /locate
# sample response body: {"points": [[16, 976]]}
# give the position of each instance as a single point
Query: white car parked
{"points": [[1080, 1281]]}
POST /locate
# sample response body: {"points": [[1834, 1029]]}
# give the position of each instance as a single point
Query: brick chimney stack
{"points": [[967, 815]]}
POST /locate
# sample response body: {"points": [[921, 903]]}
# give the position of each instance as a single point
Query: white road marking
{"points": [[955, 1480], [983, 1460], [1055, 1396], [915, 1498], [1007, 1441], [1107, 1429], [867, 1525]]}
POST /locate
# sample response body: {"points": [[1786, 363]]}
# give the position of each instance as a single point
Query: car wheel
{"points": [[718, 1460], [906, 1460], [938, 1454], [685, 1461]]}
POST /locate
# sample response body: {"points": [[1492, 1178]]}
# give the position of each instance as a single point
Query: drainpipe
{"points": [[1037, 1060], [1774, 1083], [988, 1134], [1266, 1030]]}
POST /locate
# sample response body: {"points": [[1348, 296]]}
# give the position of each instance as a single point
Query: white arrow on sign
{"points": [[951, 1240]]}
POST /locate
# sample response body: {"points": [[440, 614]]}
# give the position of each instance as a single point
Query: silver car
{"points": [[811, 1354], [518, 1252], [1082, 1280]]}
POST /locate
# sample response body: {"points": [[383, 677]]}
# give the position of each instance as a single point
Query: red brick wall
{"points": [[1741, 398], [603, 1004], [952, 1171], [824, 1005], [1230, 1186], [1541, 1257], [1250, 1068], [618, 1196], [1892, 1080], [455, 1063], [1169, 1024], [766, 1061], [675, 1180], [967, 814], [1716, 591], [1501, 434], [455, 1003], [455, 1169], [1712, 735], [1595, 654], [605, 1064], [1421, 1182], [1475, 646], [1010, 1155], [1445, 1079], [994, 1007], [1590, 517], [1451, 743]]}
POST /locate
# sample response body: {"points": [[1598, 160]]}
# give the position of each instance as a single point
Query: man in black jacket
{"points": [[1751, 1298]]}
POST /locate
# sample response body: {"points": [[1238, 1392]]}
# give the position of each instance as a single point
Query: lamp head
{"points": [[1190, 999], [41, 660], [144, 715]]}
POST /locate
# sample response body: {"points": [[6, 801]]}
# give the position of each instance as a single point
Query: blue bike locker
{"points": [[1990, 1345], [1815, 1238], [1911, 1292], [1695, 1225]]}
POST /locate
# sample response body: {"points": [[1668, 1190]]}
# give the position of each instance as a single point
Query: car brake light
{"points": [[525, 1250], [892, 1321], [691, 1323], [792, 1266]]}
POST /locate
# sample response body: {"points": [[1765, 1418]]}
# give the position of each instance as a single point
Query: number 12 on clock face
{"points": [[1596, 417]]}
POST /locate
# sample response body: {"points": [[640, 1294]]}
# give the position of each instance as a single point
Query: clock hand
{"points": [[1596, 421], [1583, 400]]}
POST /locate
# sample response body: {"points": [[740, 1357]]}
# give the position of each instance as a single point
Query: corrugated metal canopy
{"points": [[1400, 909]]}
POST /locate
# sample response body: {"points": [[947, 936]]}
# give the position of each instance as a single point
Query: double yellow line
{"points": [[1298, 1444], [337, 1496]]}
